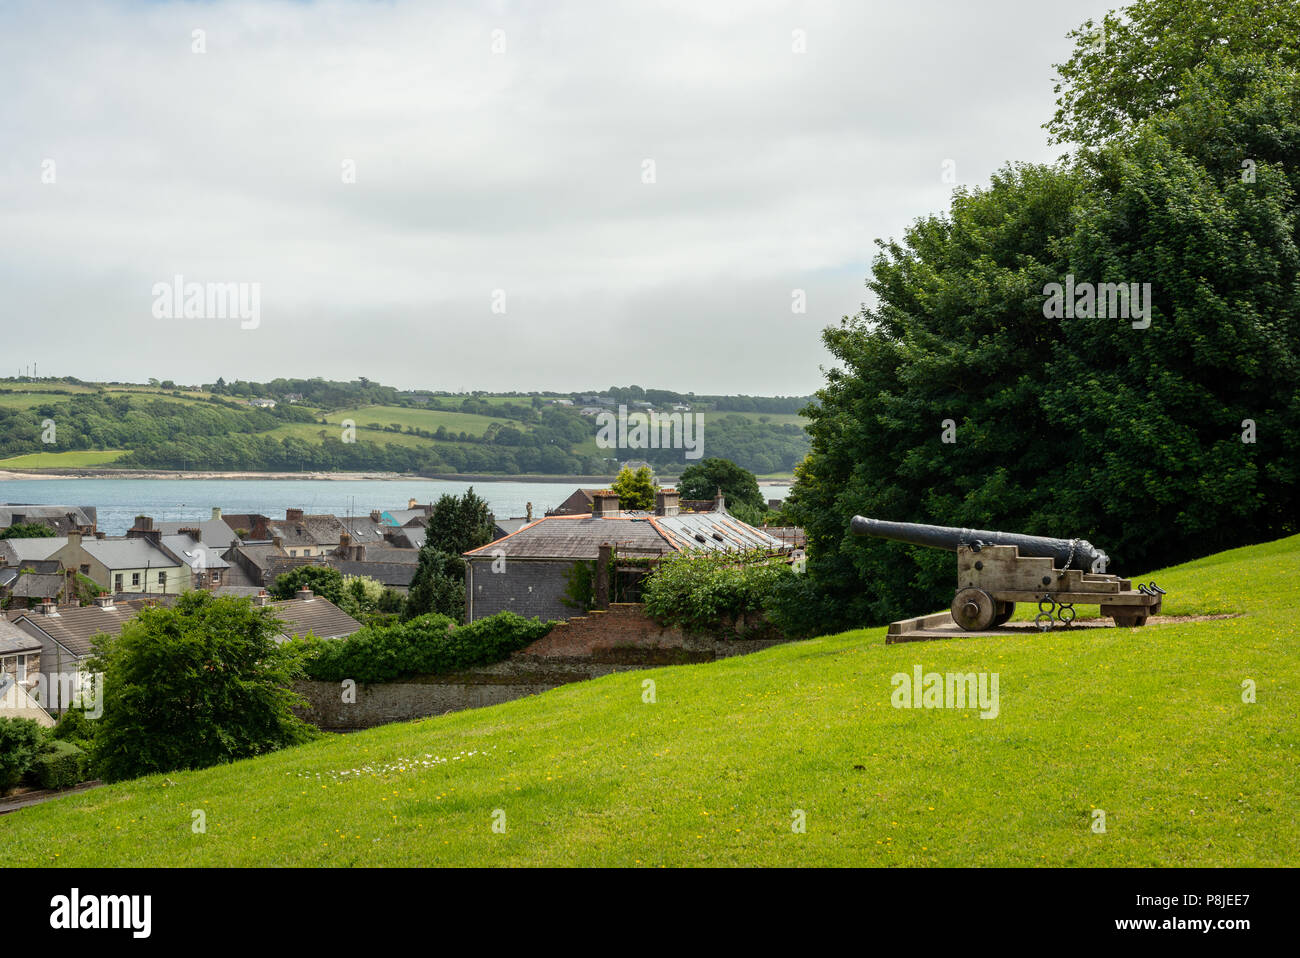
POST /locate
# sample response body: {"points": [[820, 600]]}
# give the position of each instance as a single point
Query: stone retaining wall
{"points": [[620, 640]]}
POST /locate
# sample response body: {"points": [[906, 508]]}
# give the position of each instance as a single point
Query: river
{"points": [[119, 501]]}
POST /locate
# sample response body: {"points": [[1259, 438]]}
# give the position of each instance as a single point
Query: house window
{"points": [[135, 578], [293, 552], [117, 582], [162, 578], [216, 578], [85, 570]]}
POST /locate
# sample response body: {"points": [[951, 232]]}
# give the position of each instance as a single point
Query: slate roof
{"points": [[580, 537], [395, 574], [321, 617], [62, 518], [73, 626], [215, 533], [14, 640], [191, 552], [364, 530], [386, 553], [127, 553], [20, 551], [37, 586], [410, 537]]}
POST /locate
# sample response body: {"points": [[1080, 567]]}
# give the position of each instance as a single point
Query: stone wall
{"points": [[620, 640]]}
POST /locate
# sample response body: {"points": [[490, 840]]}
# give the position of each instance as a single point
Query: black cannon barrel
{"points": [[1067, 553]]}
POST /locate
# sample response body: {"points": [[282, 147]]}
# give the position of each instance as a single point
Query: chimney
{"points": [[376, 515], [47, 607], [74, 539], [720, 504], [410, 503], [667, 502], [142, 523], [104, 600], [261, 598], [277, 542], [345, 543], [305, 594], [293, 515], [194, 534], [604, 503], [528, 511], [216, 512]]}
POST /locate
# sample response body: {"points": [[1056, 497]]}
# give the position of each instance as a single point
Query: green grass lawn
{"points": [[72, 459], [1147, 725]]}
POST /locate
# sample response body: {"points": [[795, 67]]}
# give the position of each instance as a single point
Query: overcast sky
{"points": [[500, 158]]}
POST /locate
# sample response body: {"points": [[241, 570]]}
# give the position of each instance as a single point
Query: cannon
{"points": [[995, 570]]}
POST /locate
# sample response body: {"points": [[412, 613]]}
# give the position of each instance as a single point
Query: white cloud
{"points": [[477, 170]]}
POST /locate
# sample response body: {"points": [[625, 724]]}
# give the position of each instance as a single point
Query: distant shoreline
{"points": [[11, 474]]}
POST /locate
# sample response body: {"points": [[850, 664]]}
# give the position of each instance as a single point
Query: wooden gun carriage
{"points": [[995, 570]]}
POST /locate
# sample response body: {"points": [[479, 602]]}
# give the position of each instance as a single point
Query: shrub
{"points": [[711, 592], [20, 742], [198, 684], [324, 581], [426, 645], [59, 765], [74, 727]]}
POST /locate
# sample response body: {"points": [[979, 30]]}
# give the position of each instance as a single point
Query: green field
{"points": [[74, 459], [429, 419], [1147, 725]]}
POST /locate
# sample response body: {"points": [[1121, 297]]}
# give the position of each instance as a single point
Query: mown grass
{"points": [[72, 459], [1148, 725]]}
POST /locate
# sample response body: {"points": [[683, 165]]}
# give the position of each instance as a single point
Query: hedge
{"points": [[426, 645], [60, 765]]}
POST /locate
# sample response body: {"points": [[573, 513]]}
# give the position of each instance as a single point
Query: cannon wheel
{"points": [[1005, 611], [974, 610]]}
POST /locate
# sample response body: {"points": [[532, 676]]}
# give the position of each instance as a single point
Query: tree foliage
{"points": [[703, 479], [635, 488], [324, 581], [200, 683], [1158, 444]]}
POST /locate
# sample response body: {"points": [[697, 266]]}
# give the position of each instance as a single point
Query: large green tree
{"points": [[457, 525], [703, 479], [200, 683], [958, 401], [1133, 63]]}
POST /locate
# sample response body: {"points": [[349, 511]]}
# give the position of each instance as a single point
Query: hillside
{"points": [[361, 425], [1146, 724]]}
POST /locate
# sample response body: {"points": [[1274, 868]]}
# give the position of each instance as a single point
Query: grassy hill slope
{"points": [[1145, 724]]}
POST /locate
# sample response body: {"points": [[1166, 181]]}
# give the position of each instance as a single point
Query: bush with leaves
{"points": [[74, 727], [324, 581], [635, 488], [20, 742], [59, 765], [426, 645], [713, 592], [201, 683]]}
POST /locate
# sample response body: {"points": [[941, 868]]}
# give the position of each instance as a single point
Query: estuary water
{"points": [[119, 501]]}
